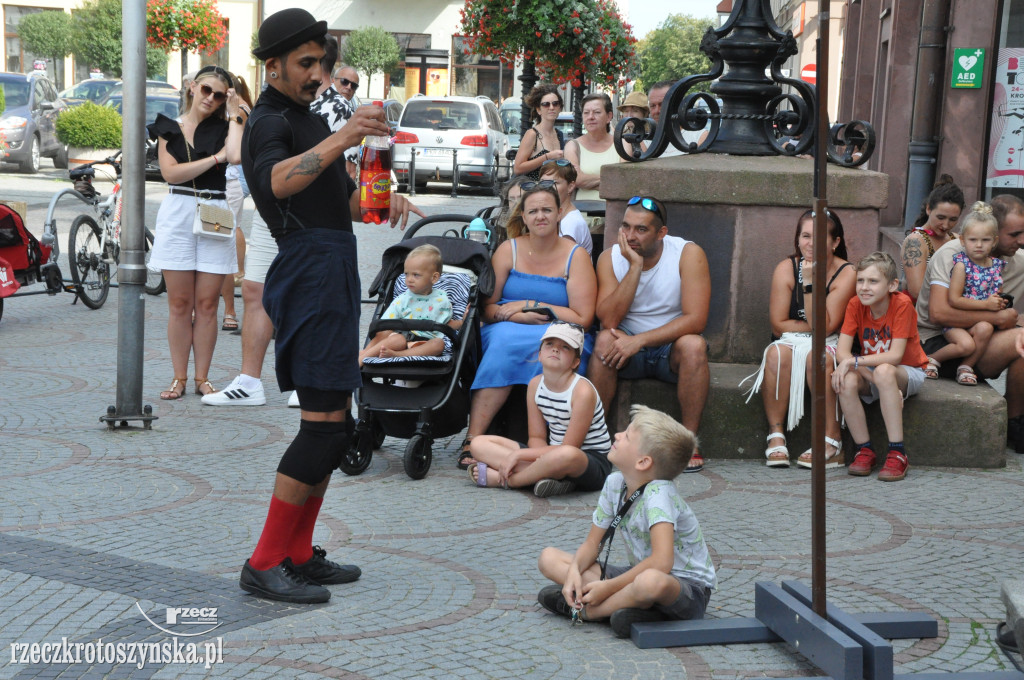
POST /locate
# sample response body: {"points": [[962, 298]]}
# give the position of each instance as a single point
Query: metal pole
{"points": [[924, 139], [412, 171], [455, 173], [818, 410], [131, 272]]}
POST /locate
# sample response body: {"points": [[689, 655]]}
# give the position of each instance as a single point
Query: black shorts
{"points": [[311, 295], [598, 469]]}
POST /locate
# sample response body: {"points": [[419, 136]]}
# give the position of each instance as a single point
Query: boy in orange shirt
{"points": [[890, 367]]}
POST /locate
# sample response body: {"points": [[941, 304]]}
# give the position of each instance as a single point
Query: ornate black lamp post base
{"points": [[755, 116]]}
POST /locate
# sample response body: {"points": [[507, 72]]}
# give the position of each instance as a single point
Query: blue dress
{"points": [[514, 359]]}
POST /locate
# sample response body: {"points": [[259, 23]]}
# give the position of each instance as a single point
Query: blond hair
{"points": [[886, 265], [981, 215], [430, 253], [669, 444]]}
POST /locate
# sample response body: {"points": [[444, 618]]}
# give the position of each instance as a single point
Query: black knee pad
{"points": [[316, 450]]}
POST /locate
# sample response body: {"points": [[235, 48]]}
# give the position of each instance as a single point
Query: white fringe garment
{"points": [[801, 345]]}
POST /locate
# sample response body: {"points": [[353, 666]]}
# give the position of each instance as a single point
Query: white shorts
{"points": [[260, 251], [915, 379], [176, 248]]}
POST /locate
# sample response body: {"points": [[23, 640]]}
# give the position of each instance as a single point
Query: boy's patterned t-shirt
{"points": [[660, 502], [432, 307]]}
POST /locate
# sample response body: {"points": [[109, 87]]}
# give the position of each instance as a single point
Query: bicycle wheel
{"points": [[154, 280], [88, 270]]}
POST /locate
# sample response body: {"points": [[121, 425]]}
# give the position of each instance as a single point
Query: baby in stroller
{"points": [[420, 301]]}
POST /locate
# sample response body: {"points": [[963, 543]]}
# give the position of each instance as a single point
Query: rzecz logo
{"points": [[185, 616]]}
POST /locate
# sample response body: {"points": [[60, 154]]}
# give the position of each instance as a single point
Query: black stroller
{"points": [[422, 398]]}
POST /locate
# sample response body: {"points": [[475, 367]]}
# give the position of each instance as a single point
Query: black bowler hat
{"points": [[283, 31]]}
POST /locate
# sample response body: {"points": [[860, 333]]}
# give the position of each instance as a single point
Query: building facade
{"points": [[938, 80]]}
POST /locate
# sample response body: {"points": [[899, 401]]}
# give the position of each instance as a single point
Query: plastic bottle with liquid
{"points": [[375, 179]]}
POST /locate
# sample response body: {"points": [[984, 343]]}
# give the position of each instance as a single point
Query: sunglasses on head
{"points": [[647, 204], [205, 90], [543, 184], [570, 324], [560, 162], [345, 82], [548, 105]]}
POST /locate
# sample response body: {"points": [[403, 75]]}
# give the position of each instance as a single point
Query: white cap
{"points": [[570, 334]]}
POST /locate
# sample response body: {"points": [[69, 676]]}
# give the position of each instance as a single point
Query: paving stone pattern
{"points": [[96, 526]]}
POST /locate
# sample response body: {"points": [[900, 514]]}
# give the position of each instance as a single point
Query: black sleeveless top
{"points": [[209, 138], [796, 301], [535, 174]]}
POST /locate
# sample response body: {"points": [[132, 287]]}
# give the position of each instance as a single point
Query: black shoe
{"points": [[1013, 430], [1005, 638], [622, 620], [321, 570], [551, 598], [283, 583]]}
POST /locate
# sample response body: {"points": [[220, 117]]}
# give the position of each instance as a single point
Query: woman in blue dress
{"points": [[535, 269]]}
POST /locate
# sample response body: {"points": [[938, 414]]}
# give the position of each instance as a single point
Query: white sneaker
{"points": [[234, 395], [293, 400]]}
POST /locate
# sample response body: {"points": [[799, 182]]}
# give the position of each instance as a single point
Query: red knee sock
{"points": [[274, 543], [301, 548]]}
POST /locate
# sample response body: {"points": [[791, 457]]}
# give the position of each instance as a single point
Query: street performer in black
{"points": [[296, 170]]}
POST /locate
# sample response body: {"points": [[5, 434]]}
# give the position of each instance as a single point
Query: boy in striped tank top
{"points": [[568, 439]]}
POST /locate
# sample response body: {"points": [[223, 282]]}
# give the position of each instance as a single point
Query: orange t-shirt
{"points": [[876, 335]]}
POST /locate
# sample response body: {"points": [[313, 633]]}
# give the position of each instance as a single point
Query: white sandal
{"points": [[776, 462], [833, 461]]}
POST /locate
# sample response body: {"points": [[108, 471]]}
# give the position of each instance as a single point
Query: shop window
{"points": [[475, 76]]}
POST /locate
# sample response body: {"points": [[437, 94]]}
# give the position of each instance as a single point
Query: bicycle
{"points": [[91, 249]]}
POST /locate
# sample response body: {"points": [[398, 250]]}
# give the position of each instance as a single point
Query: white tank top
{"points": [[657, 300], [556, 407]]}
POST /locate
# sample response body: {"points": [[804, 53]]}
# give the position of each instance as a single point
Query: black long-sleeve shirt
{"points": [[278, 129]]}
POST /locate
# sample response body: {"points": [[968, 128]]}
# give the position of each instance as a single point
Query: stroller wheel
{"points": [[378, 434], [360, 453], [418, 457]]}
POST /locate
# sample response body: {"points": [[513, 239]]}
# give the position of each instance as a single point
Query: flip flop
{"points": [[481, 477], [696, 463]]}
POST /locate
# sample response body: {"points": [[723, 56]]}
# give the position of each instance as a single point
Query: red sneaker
{"points": [[862, 463], [895, 467]]}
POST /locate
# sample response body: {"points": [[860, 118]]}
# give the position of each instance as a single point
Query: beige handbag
{"points": [[211, 221]]}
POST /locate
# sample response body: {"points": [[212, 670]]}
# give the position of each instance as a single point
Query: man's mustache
{"points": [[313, 86]]}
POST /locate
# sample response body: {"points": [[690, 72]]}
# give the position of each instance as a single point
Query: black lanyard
{"points": [[609, 533]]}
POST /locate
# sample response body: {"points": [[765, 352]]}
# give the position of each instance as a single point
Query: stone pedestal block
{"points": [[743, 211]]}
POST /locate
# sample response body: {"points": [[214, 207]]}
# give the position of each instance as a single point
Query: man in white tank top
{"points": [[653, 296]]}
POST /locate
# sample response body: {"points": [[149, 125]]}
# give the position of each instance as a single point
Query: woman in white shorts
{"points": [[194, 153]]}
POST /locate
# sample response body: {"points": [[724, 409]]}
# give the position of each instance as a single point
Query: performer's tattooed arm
{"points": [[310, 163]]}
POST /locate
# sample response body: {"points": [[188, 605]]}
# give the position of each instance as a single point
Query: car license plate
{"points": [[437, 152]]}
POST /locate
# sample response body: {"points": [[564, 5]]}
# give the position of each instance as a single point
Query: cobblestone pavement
{"points": [[98, 528]]}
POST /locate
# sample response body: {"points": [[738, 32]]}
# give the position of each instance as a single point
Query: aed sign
{"points": [[968, 67]]}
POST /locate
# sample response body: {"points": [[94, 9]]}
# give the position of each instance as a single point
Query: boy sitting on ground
{"points": [[419, 302], [671, 574]]}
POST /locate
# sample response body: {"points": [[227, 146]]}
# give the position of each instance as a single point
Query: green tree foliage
{"points": [[371, 50], [47, 34], [672, 50], [96, 39]]}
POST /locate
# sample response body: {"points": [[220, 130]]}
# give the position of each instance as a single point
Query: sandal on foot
{"points": [[931, 371], [965, 376], [696, 463], [172, 392], [480, 478], [230, 323], [832, 460], [465, 457], [772, 452], [204, 382]]}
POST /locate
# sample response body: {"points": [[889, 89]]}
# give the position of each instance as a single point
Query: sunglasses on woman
{"points": [[345, 82], [647, 204], [206, 91], [560, 162], [548, 105], [543, 184]]}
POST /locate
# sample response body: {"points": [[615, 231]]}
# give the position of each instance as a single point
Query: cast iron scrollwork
{"points": [[787, 120]]}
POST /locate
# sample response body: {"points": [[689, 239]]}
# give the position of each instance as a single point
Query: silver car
{"points": [[437, 128]]}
